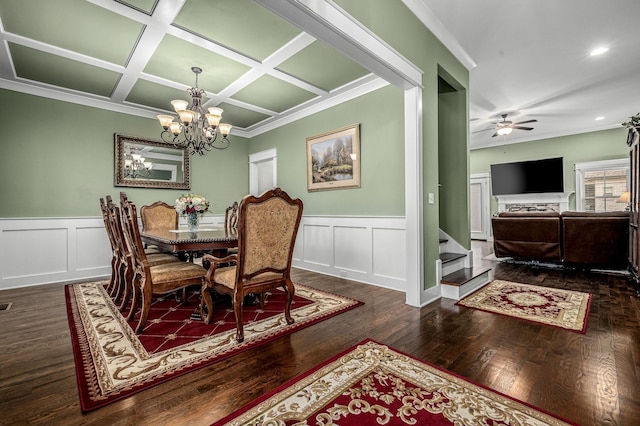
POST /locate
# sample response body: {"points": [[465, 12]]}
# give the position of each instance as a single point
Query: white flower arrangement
{"points": [[192, 203]]}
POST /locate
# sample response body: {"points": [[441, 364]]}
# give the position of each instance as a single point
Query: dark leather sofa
{"points": [[528, 236], [576, 239], [597, 240]]}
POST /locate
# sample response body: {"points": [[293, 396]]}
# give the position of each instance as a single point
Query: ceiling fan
{"points": [[505, 127]]}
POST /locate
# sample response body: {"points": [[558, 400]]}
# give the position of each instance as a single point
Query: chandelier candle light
{"points": [[135, 165], [193, 206], [195, 129]]}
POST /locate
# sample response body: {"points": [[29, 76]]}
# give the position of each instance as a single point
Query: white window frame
{"points": [[582, 168]]}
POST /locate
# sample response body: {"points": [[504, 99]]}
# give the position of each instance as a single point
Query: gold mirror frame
{"points": [[162, 154]]}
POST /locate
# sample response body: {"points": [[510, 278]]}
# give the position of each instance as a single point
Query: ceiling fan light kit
{"points": [[505, 127], [503, 131]]}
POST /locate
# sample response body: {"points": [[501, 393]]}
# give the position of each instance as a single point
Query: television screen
{"points": [[526, 177]]}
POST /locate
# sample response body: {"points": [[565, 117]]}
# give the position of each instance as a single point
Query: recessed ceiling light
{"points": [[599, 118], [599, 51]]}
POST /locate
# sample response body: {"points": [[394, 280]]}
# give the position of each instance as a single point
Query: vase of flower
{"points": [[192, 206], [193, 221]]}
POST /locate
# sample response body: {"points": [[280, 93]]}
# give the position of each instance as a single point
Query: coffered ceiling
{"points": [[529, 59], [135, 56]]}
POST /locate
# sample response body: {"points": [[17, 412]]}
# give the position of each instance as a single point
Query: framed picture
{"points": [[333, 159]]}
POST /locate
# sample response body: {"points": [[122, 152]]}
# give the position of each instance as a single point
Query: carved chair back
{"points": [[158, 215], [231, 218], [268, 226]]}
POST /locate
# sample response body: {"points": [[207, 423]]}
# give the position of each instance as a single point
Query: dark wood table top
{"points": [[186, 241]]}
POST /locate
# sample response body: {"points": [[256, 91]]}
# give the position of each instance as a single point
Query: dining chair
{"points": [[267, 229], [231, 218], [152, 280], [158, 215], [115, 258], [123, 288], [231, 223]]}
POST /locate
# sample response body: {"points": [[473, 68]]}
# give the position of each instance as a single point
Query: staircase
{"points": [[459, 278]]}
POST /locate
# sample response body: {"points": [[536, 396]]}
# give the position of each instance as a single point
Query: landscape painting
{"points": [[333, 159]]}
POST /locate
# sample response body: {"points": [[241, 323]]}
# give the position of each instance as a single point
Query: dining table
{"points": [[212, 240]]}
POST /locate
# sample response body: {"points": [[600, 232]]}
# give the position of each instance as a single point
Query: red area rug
{"points": [[372, 384], [551, 306], [112, 362]]}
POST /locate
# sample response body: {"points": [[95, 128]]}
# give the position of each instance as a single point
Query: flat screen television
{"points": [[527, 177]]}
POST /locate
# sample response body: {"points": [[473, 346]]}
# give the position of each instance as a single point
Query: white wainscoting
{"points": [[46, 250], [365, 249]]}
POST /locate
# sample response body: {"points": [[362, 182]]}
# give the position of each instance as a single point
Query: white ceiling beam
{"points": [[327, 22]]}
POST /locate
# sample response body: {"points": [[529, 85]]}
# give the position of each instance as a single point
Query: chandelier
{"points": [[135, 165], [194, 128]]}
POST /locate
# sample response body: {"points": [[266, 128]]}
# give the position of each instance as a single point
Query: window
{"points": [[599, 184]]}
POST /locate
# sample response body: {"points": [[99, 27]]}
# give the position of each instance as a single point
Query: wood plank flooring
{"points": [[591, 379]]}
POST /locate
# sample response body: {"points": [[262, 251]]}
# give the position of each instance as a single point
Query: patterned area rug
{"points": [[551, 306], [371, 384], [112, 362]]}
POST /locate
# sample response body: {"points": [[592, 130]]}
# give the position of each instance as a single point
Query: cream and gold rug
{"points": [[372, 384], [545, 305], [113, 362]]}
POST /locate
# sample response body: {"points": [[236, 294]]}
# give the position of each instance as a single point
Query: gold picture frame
{"points": [[333, 159]]}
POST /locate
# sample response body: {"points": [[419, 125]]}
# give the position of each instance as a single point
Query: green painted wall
{"points": [[398, 26], [57, 160], [381, 191], [594, 146], [453, 160]]}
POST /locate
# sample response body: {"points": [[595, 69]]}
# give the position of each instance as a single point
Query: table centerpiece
{"points": [[193, 206]]}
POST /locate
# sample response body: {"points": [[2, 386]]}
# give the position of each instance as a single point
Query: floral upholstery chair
{"points": [[158, 215], [122, 288], [267, 229], [152, 280]]}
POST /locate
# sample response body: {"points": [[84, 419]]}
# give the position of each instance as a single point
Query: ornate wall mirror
{"points": [[147, 163]]}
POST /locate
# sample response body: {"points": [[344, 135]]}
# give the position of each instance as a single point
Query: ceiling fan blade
{"points": [[483, 130], [525, 122], [522, 128]]}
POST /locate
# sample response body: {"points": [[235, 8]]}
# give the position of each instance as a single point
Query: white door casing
{"points": [[263, 171], [480, 207]]}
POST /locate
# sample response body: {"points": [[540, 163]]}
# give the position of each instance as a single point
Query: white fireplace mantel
{"points": [[561, 198]]}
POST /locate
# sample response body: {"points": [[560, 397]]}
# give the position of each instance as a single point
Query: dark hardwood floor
{"points": [[591, 379]]}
